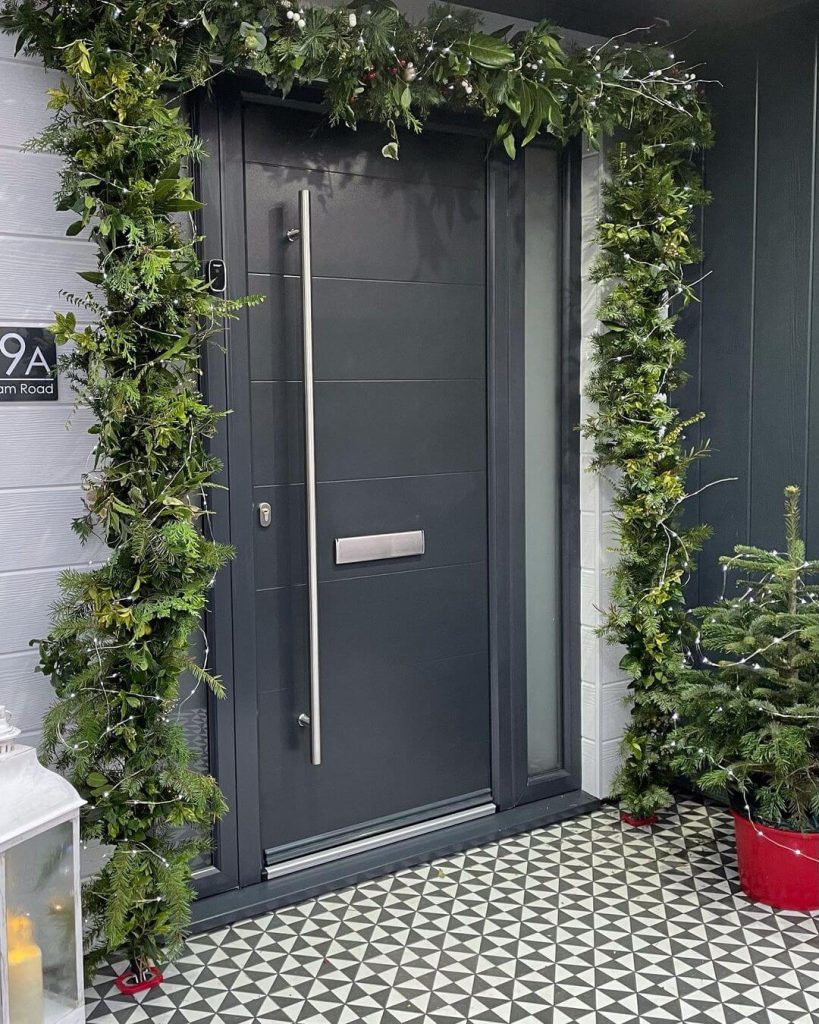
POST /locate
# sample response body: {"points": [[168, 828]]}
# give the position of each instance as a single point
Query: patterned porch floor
{"points": [[588, 921]]}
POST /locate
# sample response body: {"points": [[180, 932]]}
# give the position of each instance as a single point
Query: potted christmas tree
{"points": [[748, 716]]}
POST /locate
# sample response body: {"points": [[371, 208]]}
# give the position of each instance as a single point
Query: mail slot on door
{"points": [[371, 547]]}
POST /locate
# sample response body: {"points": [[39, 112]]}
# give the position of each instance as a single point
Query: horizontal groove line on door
{"points": [[369, 280], [369, 479], [374, 575], [369, 380]]}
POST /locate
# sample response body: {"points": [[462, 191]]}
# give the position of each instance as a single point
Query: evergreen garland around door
{"points": [[119, 641]]}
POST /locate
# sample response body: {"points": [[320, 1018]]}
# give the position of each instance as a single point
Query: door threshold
{"points": [[295, 887], [397, 835]]}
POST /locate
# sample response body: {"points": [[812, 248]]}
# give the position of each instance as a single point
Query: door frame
{"points": [[512, 784], [217, 120]]}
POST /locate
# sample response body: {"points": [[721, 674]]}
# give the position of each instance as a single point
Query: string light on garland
{"points": [[136, 365]]}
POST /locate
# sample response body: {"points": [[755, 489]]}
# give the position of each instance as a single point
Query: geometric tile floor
{"points": [[588, 921]]}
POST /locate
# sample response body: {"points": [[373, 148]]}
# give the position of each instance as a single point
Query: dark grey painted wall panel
{"points": [[371, 429], [785, 189], [727, 314], [368, 330], [425, 226], [451, 510], [759, 378]]}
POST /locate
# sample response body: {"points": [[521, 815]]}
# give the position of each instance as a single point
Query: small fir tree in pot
{"points": [[748, 721]]}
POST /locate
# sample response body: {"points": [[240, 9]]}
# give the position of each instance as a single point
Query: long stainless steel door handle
{"points": [[310, 474]]}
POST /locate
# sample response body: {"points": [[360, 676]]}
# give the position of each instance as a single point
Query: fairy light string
{"points": [[746, 722], [119, 643]]}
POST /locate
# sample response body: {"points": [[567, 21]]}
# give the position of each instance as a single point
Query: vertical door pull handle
{"points": [[305, 237]]}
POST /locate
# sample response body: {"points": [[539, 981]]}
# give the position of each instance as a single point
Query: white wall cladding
{"points": [[604, 712], [41, 459]]}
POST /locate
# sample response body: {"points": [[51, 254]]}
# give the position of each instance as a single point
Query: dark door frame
{"points": [[512, 784], [238, 857]]}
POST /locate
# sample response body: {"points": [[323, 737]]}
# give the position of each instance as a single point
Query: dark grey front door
{"points": [[398, 281]]}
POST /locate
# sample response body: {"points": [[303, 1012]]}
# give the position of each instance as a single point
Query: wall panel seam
{"points": [[50, 569], [754, 221], [811, 289]]}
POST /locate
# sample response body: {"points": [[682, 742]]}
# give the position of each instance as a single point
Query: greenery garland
{"points": [[120, 637]]}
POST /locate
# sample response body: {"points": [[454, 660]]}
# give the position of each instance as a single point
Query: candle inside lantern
{"points": [[26, 1001]]}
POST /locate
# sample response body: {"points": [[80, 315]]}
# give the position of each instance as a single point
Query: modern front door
{"points": [[396, 441]]}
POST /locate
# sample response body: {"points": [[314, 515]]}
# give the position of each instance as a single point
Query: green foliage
{"points": [[120, 637], [645, 237], [750, 721]]}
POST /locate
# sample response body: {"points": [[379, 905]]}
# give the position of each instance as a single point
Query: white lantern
{"points": [[41, 975]]}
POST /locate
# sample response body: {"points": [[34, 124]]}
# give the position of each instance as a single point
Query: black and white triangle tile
{"points": [[586, 922]]}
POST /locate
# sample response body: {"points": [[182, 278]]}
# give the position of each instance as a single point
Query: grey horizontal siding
{"points": [[26, 599], [34, 271], [37, 524], [27, 185], [23, 110], [23, 689], [39, 447], [45, 447]]}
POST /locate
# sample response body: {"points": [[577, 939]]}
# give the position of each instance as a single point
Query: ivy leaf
{"points": [[254, 37], [527, 101], [544, 108], [210, 28], [390, 151], [180, 204], [75, 228], [92, 276], [488, 51]]}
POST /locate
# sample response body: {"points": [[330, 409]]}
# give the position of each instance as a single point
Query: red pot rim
{"points": [[129, 987], [766, 827], [636, 822]]}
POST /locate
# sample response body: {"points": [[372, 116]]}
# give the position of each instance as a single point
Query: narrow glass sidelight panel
{"points": [[542, 427]]}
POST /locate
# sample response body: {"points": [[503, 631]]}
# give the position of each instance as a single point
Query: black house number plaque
{"points": [[28, 360]]}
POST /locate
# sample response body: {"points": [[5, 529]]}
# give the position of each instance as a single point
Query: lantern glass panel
{"points": [[41, 928]]}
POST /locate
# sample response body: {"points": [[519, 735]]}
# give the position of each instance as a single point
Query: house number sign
{"points": [[28, 361]]}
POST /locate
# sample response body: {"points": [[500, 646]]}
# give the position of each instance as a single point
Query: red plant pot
{"points": [[637, 822], [770, 870], [129, 986]]}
